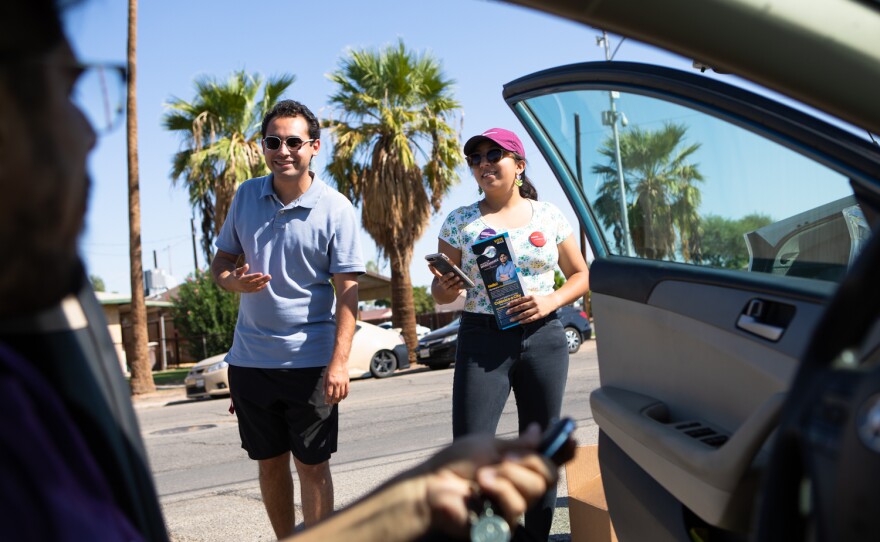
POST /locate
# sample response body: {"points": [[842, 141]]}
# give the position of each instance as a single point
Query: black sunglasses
{"points": [[494, 156], [273, 143]]}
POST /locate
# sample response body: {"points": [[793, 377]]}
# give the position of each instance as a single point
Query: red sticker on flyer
{"points": [[537, 239]]}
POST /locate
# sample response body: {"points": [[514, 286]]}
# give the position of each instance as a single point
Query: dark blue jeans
{"points": [[530, 359]]}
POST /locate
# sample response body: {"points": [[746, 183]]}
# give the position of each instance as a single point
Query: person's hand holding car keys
{"points": [[557, 446]]}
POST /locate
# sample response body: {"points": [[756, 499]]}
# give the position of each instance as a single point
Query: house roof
{"points": [[112, 298], [373, 286], [370, 286]]}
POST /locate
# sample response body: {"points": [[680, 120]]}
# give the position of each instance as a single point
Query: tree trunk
{"points": [[139, 363], [224, 191], [403, 314]]}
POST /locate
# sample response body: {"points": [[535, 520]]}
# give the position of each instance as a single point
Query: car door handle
{"points": [[766, 319], [752, 325]]}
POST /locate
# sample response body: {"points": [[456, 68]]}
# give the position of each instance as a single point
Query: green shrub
{"points": [[169, 377], [203, 309]]}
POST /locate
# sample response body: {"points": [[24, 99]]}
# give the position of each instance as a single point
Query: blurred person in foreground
{"points": [[72, 463]]}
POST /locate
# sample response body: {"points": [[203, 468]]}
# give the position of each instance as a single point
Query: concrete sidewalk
{"points": [[187, 518], [159, 398]]}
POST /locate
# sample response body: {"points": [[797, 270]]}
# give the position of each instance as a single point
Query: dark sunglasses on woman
{"points": [[494, 156]]}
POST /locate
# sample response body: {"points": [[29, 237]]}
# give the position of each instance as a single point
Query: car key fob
{"points": [[489, 527]]}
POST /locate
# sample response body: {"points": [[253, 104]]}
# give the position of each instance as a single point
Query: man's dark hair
{"points": [[292, 108], [29, 28], [27, 31]]}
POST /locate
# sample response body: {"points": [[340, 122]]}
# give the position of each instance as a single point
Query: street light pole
{"points": [[612, 119], [192, 225]]}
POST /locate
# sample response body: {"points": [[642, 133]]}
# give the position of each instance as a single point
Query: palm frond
{"points": [[660, 191], [394, 153], [219, 131]]}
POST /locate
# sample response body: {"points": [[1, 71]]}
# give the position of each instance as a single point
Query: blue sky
{"points": [[482, 45]]}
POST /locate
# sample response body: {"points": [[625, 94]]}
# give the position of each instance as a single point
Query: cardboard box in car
{"points": [[587, 509]]}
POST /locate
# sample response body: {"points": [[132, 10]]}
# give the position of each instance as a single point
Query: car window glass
{"points": [[697, 189]]}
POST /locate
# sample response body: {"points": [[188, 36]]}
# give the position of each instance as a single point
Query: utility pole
{"points": [[610, 118], [139, 361]]}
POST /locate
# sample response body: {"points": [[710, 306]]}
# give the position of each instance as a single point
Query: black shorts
{"points": [[281, 410]]}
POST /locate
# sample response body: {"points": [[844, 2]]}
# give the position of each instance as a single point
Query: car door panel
{"points": [[702, 360], [706, 480], [711, 376], [696, 346], [686, 373]]}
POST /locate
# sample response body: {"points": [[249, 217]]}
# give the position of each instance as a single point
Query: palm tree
{"points": [[394, 154], [662, 197], [220, 129], [139, 362]]}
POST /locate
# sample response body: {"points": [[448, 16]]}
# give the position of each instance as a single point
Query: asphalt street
{"points": [[208, 487]]}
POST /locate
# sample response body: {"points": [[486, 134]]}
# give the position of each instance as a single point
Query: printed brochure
{"points": [[497, 264]]}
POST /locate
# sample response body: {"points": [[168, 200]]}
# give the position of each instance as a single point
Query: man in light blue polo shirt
{"points": [[289, 358]]}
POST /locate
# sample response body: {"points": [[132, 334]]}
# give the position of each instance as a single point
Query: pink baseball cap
{"points": [[505, 139]]}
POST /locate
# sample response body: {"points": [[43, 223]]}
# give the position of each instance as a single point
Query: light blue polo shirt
{"points": [[290, 323]]}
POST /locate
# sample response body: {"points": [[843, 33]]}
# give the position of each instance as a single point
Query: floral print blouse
{"points": [[536, 264]]}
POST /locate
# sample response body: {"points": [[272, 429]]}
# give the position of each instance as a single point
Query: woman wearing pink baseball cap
{"points": [[530, 358]]}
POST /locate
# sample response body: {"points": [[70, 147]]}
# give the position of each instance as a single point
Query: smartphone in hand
{"points": [[442, 263], [554, 439]]}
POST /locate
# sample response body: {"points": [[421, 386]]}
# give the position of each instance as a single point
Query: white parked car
{"points": [[374, 352], [421, 330], [208, 378]]}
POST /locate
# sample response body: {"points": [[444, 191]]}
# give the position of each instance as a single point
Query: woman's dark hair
{"points": [[292, 108], [527, 190]]}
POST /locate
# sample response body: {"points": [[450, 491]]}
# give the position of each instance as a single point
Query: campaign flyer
{"points": [[497, 264]]}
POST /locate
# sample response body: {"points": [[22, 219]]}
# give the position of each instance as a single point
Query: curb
{"points": [[162, 396]]}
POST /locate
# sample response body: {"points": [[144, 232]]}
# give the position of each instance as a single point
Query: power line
{"points": [[144, 242]]}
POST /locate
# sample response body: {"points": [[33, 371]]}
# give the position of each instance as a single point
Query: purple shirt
{"points": [[50, 485]]}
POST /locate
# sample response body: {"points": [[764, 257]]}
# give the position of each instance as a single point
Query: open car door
{"points": [[721, 224]]}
